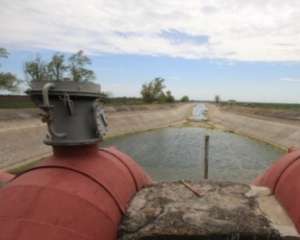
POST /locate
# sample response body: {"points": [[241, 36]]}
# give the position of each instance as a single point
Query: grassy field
{"points": [[23, 101], [9, 101], [10, 105]]}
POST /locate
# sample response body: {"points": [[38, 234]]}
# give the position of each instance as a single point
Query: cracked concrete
{"points": [[204, 210]]}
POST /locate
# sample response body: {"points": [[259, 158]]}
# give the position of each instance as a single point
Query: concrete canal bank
{"points": [[22, 133], [281, 134], [125, 122]]}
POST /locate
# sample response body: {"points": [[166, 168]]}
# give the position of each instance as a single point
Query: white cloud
{"points": [[263, 30]]}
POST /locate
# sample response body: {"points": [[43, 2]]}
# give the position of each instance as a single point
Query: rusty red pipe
{"points": [[5, 177], [78, 193], [283, 179]]}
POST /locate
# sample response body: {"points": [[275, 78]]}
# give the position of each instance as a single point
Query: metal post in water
{"points": [[206, 150]]}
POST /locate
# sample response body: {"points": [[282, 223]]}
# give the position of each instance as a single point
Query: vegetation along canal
{"points": [[177, 153]]}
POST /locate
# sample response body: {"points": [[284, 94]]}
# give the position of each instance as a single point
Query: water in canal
{"points": [[177, 153], [199, 112]]}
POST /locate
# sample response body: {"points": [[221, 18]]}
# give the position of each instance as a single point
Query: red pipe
{"points": [[283, 178], [5, 177], [78, 193]]}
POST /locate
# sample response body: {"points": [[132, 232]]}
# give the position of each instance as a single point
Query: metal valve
{"points": [[101, 121], [71, 112]]}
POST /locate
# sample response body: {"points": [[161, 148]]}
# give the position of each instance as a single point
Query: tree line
{"points": [[8, 81], [58, 68], [75, 68], [154, 92]]}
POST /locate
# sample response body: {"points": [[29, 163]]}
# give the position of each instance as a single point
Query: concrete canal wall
{"points": [[137, 121], [22, 133], [280, 134]]}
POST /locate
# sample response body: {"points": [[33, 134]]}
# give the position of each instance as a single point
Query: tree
{"points": [[78, 72], [147, 93], [169, 97], [217, 99], [8, 81], [231, 102], [153, 91], [36, 70], [185, 99], [105, 97], [162, 98], [56, 67], [3, 53]]}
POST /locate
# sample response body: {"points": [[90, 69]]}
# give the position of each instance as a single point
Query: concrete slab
{"points": [[205, 210]]}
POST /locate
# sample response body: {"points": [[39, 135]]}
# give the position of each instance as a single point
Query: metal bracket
{"points": [[48, 116], [100, 119], [68, 103]]}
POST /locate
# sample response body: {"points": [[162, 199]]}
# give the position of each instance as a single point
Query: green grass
{"points": [[23, 167], [16, 104], [15, 101], [25, 102]]}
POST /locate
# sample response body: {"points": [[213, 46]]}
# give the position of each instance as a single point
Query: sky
{"points": [[247, 50]]}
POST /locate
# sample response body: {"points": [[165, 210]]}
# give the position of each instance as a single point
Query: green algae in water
{"points": [[177, 153]]}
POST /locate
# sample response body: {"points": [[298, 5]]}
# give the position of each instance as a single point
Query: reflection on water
{"points": [[177, 153], [199, 112]]}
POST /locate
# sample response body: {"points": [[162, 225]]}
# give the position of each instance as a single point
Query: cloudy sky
{"points": [[241, 49]]}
